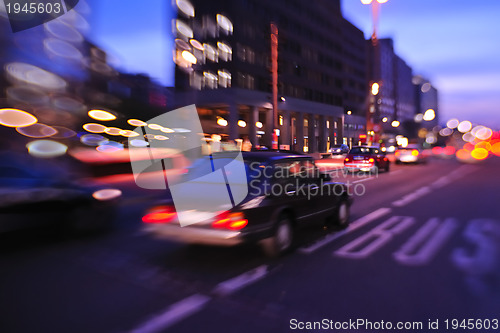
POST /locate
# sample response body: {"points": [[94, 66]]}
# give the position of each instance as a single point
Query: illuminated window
{"points": [[210, 80], [224, 24], [224, 78], [181, 28], [211, 53], [225, 51], [196, 80]]}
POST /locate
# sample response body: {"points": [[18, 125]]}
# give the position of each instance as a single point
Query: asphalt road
{"points": [[424, 247]]}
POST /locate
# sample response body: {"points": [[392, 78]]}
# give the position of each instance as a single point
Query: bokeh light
{"points": [[484, 133], [112, 130], [16, 118], [46, 148], [107, 194], [138, 143], [495, 148], [429, 115], [63, 132], [94, 128], [464, 126], [468, 137], [26, 73], [479, 153], [167, 130], [128, 133], [155, 127], [484, 145], [136, 122], [463, 154], [37, 130], [93, 140], [452, 123], [101, 115]]}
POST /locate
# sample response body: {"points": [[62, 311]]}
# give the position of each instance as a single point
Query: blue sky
{"points": [[454, 43], [137, 34]]}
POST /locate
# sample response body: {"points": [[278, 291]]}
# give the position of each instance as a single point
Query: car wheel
{"points": [[282, 240], [342, 214], [387, 167]]}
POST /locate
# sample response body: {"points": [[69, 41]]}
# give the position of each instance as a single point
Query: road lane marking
{"points": [[445, 180], [197, 302], [367, 244], [481, 264], [232, 285], [352, 227], [363, 180], [412, 196], [440, 182], [423, 246], [174, 313]]}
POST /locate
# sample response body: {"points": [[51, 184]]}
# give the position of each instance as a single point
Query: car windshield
{"points": [[206, 165], [364, 150]]}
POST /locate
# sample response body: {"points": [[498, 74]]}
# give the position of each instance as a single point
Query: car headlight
{"points": [[107, 194]]}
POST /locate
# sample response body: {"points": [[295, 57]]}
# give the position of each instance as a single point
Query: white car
{"points": [[410, 154]]}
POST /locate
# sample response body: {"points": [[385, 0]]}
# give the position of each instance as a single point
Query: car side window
{"points": [[286, 169], [308, 169]]}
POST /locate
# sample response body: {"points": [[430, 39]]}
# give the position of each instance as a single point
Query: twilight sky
{"points": [[454, 43]]}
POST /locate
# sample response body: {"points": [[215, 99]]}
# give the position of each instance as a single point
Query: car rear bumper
{"points": [[358, 167], [408, 159], [194, 235]]}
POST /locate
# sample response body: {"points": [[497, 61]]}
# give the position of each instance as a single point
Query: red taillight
{"points": [[160, 214], [398, 153], [414, 152], [232, 221]]}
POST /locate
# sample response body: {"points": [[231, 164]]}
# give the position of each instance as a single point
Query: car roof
{"points": [[371, 147], [272, 156]]}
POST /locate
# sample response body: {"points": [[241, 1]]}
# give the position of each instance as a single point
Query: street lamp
{"points": [[375, 13], [429, 115], [375, 88]]}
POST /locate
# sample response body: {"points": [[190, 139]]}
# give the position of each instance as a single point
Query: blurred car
{"points": [[33, 194], [285, 192], [366, 158], [115, 168], [339, 149], [410, 154]]}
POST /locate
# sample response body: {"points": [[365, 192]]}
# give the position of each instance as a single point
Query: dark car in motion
{"points": [[366, 158], [37, 194], [339, 149], [285, 192]]}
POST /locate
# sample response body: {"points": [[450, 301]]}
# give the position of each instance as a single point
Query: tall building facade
{"points": [[223, 57], [426, 98], [393, 110]]}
